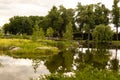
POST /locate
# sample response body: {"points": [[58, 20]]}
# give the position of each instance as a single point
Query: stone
{"points": [[14, 48]]}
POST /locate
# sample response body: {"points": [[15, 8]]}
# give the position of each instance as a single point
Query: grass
{"points": [[28, 47], [32, 49]]}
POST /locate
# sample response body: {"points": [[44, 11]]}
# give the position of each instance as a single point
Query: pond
{"points": [[20, 68]]}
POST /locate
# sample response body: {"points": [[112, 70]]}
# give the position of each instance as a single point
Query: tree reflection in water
{"points": [[114, 63], [98, 57], [61, 62], [35, 64]]}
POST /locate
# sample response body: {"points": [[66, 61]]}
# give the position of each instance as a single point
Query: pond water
{"points": [[12, 68], [20, 69], [112, 52]]}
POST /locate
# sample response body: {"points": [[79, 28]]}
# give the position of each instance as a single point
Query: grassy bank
{"points": [[27, 46]]}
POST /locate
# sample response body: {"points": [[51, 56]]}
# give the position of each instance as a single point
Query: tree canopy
{"points": [[116, 15], [102, 33]]}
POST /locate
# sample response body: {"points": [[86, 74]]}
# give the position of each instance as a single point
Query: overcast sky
{"points": [[10, 8]]}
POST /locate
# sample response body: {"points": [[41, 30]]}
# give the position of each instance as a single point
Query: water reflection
{"points": [[67, 60], [36, 63], [19, 69], [61, 62], [101, 57], [114, 64]]}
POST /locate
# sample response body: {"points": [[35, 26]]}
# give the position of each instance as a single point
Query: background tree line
{"points": [[83, 19]]}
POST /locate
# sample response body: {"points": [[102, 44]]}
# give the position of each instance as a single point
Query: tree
{"points": [[38, 33], [101, 14], [68, 35], [102, 33], [116, 16], [19, 25], [6, 28], [55, 20], [42, 34], [49, 32], [67, 16], [23, 24], [86, 19]]}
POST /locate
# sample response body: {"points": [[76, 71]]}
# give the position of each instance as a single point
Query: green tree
{"points": [[38, 33], [35, 35], [102, 33], [68, 35], [6, 28], [87, 19], [67, 16], [54, 20], [19, 25], [79, 18], [49, 32], [101, 14], [42, 34], [116, 16], [23, 24], [1, 32]]}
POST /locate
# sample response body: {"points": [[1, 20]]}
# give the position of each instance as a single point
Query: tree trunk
{"points": [[117, 33], [88, 40], [116, 52], [117, 40]]}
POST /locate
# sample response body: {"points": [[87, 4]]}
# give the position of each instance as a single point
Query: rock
{"points": [[39, 48], [14, 48], [45, 48]]}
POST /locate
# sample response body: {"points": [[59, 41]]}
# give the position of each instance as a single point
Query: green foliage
{"points": [[1, 32], [114, 64], [85, 17], [38, 33], [42, 34], [68, 35], [54, 19], [6, 28], [88, 16], [59, 18], [87, 73], [102, 33], [29, 49], [23, 24], [35, 34], [49, 32], [90, 73], [116, 15], [64, 60], [101, 14], [19, 25], [67, 16]]}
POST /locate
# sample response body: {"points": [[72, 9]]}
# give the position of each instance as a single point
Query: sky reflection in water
{"points": [[19, 69]]}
